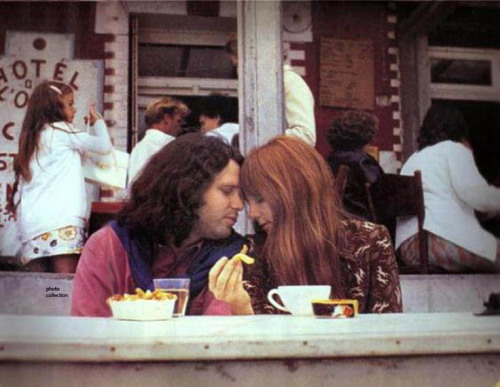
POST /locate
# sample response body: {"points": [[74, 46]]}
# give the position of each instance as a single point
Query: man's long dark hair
{"points": [[217, 105], [167, 194]]}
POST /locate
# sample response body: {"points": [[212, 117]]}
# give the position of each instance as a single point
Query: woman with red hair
{"points": [[304, 238]]}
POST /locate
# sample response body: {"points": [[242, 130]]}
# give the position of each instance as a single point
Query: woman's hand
{"points": [[225, 281]]}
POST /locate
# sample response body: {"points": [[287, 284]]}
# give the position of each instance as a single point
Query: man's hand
{"points": [[225, 281]]}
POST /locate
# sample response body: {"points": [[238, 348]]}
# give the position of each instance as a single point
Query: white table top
{"points": [[54, 338]]}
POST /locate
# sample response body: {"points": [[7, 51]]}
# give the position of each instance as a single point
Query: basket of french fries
{"points": [[143, 305]]}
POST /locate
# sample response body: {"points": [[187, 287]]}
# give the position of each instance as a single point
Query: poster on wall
{"points": [[346, 73], [29, 59]]}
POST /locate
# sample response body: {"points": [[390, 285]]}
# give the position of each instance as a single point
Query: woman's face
{"points": [[260, 212], [68, 107]]}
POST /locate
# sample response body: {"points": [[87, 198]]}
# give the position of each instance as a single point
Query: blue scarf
{"points": [[141, 259]]}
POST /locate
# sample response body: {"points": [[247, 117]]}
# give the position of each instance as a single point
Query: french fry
{"points": [[156, 295], [243, 257]]}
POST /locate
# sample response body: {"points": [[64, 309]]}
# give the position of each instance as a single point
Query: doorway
{"points": [[183, 57]]}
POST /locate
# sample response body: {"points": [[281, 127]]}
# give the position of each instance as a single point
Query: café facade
{"points": [[390, 58]]}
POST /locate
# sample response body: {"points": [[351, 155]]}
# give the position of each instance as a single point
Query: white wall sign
{"points": [[29, 59]]}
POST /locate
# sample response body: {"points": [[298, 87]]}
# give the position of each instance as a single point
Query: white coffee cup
{"points": [[297, 299]]}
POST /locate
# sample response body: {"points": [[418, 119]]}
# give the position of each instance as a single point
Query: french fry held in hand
{"points": [[243, 257], [156, 295]]}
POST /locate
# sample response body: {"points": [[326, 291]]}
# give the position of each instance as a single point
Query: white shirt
{"points": [[151, 143], [453, 189], [56, 197], [299, 107], [226, 132]]}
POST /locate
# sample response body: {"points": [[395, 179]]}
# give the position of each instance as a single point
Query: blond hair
{"points": [[167, 105]]}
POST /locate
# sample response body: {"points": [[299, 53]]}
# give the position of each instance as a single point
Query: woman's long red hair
{"points": [[295, 181]]}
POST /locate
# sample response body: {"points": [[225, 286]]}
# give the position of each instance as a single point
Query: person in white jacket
{"points": [[51, 205], [453, 189], [299, 100], [164, 118], [215, 118]]}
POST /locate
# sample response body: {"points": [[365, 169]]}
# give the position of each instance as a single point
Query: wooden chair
{"points": [[102, 213], [393, 196], [341, 180]]}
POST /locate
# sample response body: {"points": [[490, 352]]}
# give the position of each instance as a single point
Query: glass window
{"points": [[161, 60], [460, 71]]}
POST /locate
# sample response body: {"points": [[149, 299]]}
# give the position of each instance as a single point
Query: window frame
{"points": [[462, 91], [150, 87]]}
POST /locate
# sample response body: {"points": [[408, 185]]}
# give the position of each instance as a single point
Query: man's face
{"points": [[221, 203], [208, 123], [173, 123], [234, 60]]}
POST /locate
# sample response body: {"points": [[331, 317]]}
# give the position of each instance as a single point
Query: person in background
{"points": [[348, 136], [178, 222], [52, 210], [299, 100], [216, 114], [216, 117], [453, 189], [164, 118], [302, 238]]}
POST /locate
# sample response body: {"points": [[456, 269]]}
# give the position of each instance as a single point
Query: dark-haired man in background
{"points": [[217, 119]]}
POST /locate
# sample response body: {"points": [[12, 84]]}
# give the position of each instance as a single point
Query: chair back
{"points": [[341, 180], [393, 196]]}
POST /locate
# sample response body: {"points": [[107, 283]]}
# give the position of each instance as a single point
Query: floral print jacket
{"points": [[369, 270]]}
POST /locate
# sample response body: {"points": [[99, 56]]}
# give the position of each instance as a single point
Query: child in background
{"points": [[52, 208]]}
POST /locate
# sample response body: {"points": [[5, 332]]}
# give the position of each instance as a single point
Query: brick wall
{"points": [[102, 32], [349, 20]]}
